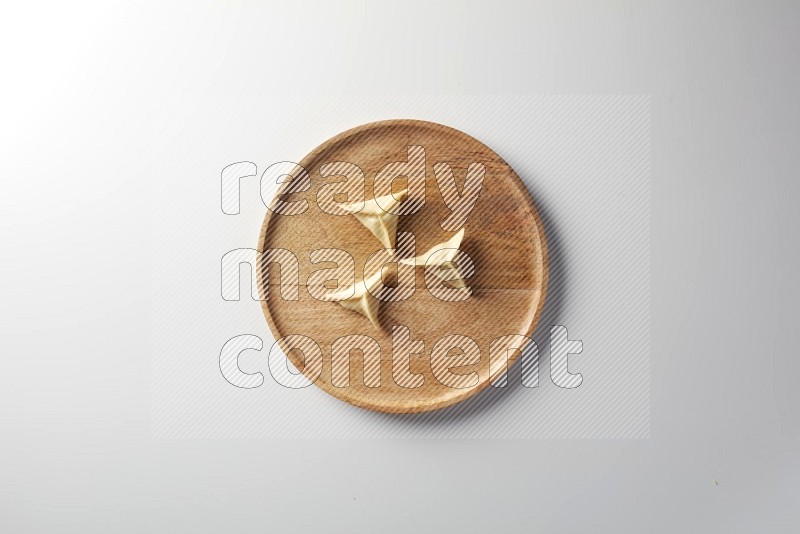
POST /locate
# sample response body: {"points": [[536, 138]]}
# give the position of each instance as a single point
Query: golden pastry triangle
{"points": [[359, 298], [450, 248], [381, 223]]}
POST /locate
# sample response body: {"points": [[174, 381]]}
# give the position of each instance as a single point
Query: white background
{"points": [[100, 102]]}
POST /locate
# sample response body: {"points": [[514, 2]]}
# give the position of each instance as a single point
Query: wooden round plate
{"points": [[504, 237]]}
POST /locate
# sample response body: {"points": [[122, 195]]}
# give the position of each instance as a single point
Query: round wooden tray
{"points": [[504, 236]]}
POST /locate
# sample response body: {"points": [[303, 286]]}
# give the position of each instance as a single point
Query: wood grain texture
{"points": [[504, 236]]}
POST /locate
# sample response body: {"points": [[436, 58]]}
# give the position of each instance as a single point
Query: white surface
{"points": [[98, 102]]}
